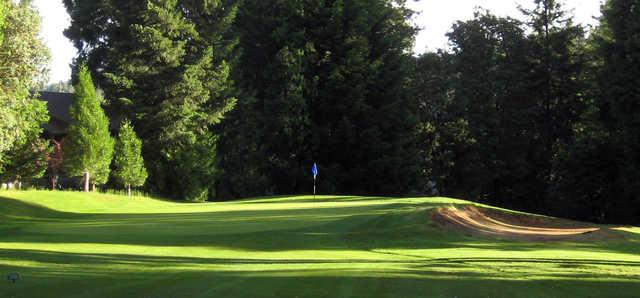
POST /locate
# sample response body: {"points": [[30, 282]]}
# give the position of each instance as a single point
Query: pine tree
{"points": [[363, 120], [324, 81], [266, 135], [557, 62], [128, 162], [88, 146], [618, 43]]}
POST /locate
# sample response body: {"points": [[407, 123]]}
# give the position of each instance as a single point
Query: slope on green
{"points": [[67, 244]]}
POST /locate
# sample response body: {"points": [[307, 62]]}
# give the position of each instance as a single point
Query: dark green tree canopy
{"points": [[618, 43], [325, 82]]}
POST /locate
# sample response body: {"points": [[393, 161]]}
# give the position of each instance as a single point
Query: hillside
{"points": [[96, 245]]}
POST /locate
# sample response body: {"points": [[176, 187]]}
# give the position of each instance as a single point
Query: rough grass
{"points": [[95, 245]]}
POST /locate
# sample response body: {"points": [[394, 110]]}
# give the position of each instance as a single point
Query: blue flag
{"points": [[314, 170]]}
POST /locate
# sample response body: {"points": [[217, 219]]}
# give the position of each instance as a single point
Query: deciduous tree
{"points": [[23, 60], [3, 15], [27, 160], [490, 162]]}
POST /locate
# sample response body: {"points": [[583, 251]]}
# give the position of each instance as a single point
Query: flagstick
{"points": [[314, 187]]}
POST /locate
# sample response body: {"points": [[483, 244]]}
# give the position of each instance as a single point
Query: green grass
{"points": [[95, 245]]}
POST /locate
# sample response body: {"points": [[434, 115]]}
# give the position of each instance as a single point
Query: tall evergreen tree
{"points": [[164, 63], [618, 43], [263, 150], [88, 145], [363, 116], [129, 164], [557, 60], [326, 82]]}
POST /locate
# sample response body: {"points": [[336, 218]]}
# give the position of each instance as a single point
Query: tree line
{"points": [[539, 114], [238, 98]]}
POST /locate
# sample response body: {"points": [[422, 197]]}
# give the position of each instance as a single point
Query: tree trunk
{"points": [[129, 190], [93, 187], [54, 182], [86, 181], [19, 185]]}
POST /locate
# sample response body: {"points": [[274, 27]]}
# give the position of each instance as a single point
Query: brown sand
{"points": [[494, 223]]}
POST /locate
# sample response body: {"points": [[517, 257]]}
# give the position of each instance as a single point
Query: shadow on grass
{"points": [[53, 257], [12, 209], [122, 275]]}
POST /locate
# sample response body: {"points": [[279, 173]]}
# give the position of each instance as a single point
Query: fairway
{"points": [[67, 244]]}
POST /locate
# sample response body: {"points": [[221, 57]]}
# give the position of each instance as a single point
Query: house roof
{"points": [[58, 104]]}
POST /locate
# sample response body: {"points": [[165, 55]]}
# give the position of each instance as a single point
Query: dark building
{"points": [[58, 105]]}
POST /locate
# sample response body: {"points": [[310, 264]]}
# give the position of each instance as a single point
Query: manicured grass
{"points": [[94, 245]]}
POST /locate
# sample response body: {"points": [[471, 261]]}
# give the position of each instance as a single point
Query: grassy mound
{"points": [[94, 245]]}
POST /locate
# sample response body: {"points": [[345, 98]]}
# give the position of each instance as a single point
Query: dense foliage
{"points": [[23, 59], [600, 170], [88, 146], [3, 15], [323, 81], [26, 161], [550, 124]]}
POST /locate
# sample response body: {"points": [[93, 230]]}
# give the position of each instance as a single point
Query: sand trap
{"points": [[489, 222]]}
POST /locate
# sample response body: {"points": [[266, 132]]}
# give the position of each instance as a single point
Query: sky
{"points": [[434, 18]]}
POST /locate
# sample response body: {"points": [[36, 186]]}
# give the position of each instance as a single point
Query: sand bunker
{"points": [[488, 222]]}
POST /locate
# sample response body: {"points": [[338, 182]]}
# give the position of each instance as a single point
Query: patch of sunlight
{"points": [[22, 263], [202, 252], [79, 202], [507, 253], [628, 229]]}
